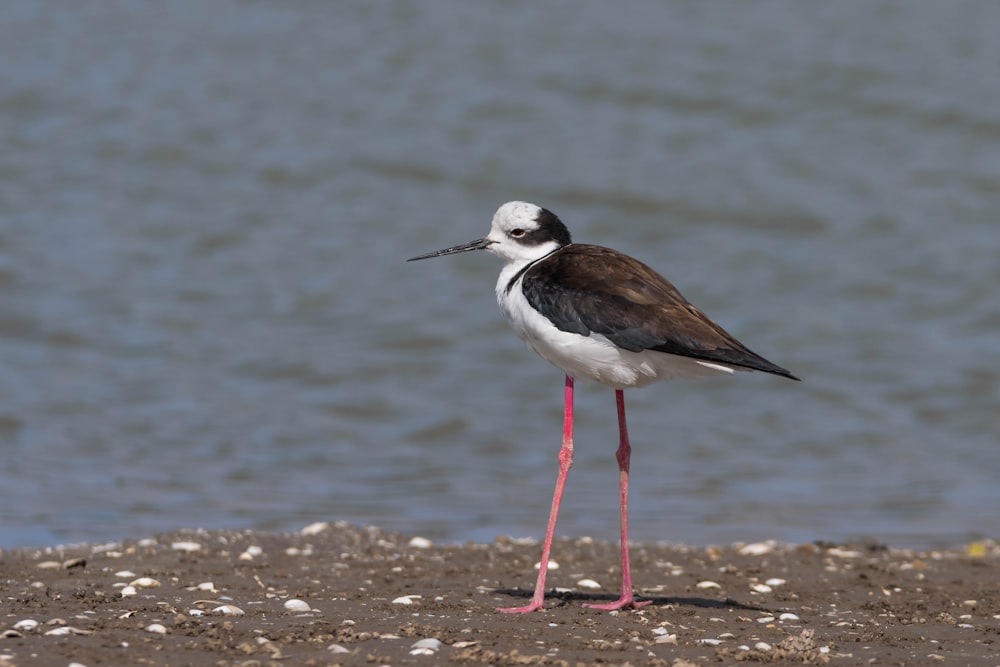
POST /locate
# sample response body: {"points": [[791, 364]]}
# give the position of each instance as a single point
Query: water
{"points": [[206, 319]]}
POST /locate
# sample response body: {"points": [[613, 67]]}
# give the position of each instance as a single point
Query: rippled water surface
{"points": [[206, 319]]}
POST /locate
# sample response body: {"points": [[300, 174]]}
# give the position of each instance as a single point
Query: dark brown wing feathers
{"points": [[587, 289]]}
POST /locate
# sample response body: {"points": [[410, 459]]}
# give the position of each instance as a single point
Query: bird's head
{"points": [[520, 233]]}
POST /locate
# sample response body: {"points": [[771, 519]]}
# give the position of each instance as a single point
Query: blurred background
{"points": [[206, 319]]}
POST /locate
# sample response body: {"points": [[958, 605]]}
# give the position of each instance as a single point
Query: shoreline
{"points": [[342, 594]]}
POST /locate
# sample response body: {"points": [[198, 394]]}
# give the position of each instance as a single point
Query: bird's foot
{"points": [[534, 605], [620, 603]]}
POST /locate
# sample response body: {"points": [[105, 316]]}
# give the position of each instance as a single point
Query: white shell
{"points": [[756, 549], [145, 582], [228, 610], [297, 605], [405, 599], [315, 528]]}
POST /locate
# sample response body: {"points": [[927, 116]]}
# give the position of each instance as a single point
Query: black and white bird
{"points": [[599, 314]]}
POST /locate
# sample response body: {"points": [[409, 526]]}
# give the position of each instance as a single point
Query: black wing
{"points": [[586, 289]]}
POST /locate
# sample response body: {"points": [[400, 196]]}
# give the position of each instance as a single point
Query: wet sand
{"points": [[370, 597]]}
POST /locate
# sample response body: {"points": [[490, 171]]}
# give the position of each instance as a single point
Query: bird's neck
{"points": [[514, 269]]}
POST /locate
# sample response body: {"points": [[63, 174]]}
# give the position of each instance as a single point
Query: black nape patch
{"points": [[550, 228]]}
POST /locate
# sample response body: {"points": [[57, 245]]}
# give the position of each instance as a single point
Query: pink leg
{"points": [[624, 456], [565, 462]]}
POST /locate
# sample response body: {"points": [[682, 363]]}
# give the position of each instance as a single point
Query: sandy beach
{"points": [[340, 594]]}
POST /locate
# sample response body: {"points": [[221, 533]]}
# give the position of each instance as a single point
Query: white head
{"points": [[523, 232], [520, 233]]}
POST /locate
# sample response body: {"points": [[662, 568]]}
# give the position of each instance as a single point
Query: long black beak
{"points": [[478, 244]]}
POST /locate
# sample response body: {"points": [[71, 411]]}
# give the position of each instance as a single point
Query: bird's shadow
{"points": [[567, 597]]}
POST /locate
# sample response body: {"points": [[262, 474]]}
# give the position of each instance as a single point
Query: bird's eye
{"points": [[517, 233]]}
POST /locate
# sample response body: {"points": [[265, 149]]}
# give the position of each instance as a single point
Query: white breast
{"points": [[594, 356]]}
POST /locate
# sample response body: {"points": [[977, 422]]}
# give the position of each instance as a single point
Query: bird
{"points": [[598, 314]]}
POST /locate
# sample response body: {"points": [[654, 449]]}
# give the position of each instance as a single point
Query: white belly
{"points": [[594, 356]]}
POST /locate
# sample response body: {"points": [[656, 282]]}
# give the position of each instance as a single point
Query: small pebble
{"points": [[185, 546], [762, 646], [27, 625], [552, 565], [128, 591], [588, 583], [707, 584], [788, 616], [125, 574], [251, 552], [420, 543], [156, 628], [228, 610], [49, 565], [775, 581], [760, 588], [710, 642], [666, 639], [207, 586], [337, 648], [765, 619], [297, 605]]}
